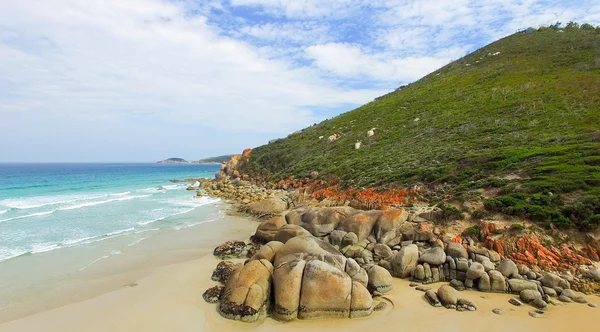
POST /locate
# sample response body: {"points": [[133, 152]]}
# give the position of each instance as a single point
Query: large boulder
{"points": [[380, 280], [310, 248], [475, 271], [508, 268], [382, 251], [518, 285], [433, 256], [456, 250], [497, 282], [448, 296], [267, 251], [552, 280], [361, 223], [290, 231], [529, 295], [322, 221], [267, 230], [388, 223], [316, 289], [404, 261], [247, 292], [267, 207]]}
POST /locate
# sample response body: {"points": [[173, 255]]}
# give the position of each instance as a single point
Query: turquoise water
{"points": [[44, 207]]}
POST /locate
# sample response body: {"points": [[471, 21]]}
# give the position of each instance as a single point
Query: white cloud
{"points": [[351, 61], [121, 71]]}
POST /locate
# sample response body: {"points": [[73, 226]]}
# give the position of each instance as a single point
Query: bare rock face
{"points": [[290, 231], [247, 292], [267, 251], [361, 223], [313, 280], [269, 207], [404, 261], [267, 230], [323, 221], [433, 256], [456, 250], [380, 280]]}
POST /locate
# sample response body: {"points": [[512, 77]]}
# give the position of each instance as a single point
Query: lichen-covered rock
{"points": [[223, 271], [388, 223], [508, 268], [404, 261], [230, 249], [456, 250], [213, 294], [448, 296], [433, 256], [267, 230], [361, 223], [290, 231], [380, 280], [247, 292]]}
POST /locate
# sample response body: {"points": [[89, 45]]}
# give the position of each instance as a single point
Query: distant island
{"points": [[212, 160]]}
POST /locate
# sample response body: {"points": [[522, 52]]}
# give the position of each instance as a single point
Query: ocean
{"points": [[46, 207]]}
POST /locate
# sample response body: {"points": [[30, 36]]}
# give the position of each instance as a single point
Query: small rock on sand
{"points": [[534, 314], [498, 311], [516, 302], [593, 305], [423, 288]]}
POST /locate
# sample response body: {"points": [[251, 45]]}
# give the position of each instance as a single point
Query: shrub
{"points": [[479, 214], [517, 227], [473, 231]]}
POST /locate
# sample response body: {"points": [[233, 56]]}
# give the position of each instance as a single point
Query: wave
{"points": [[43, 248], [170, 187], [120, 231], [79, 206], [42, 201], [29, 215], [3, 211], [101, 258], [122, 194]]}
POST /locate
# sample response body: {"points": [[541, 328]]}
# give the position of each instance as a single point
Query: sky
{"points": [[144, 80]]}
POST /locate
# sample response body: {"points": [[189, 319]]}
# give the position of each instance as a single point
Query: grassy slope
{"points": [[532, 110], [218, 159]]}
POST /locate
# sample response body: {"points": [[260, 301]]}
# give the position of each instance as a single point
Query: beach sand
{"points": [[169, 298]]}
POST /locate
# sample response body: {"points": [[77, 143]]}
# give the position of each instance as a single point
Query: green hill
{"points": [[214, 160], [521, 114]]}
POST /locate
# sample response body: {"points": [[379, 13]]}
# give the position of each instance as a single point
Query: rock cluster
{"points": [[240, 191]]}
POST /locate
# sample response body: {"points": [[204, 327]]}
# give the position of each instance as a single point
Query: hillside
{"points": [[214, 160], [520, 116]]}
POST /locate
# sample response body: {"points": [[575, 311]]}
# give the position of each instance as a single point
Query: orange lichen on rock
{"points": [[530, 251]]}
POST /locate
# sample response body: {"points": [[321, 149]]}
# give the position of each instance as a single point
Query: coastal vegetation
{"points": [[515, 124]]}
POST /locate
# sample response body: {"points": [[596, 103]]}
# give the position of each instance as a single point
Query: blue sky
{"points": [[142, 80]]}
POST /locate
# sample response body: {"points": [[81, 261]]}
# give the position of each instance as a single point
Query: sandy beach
{"points": [[165, 294]]}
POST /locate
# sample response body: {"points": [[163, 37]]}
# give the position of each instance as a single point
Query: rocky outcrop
{"points": [[267, 230]]}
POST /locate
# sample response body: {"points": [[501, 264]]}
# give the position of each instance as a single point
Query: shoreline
{"points": [[164, 292], [64, 286]]}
